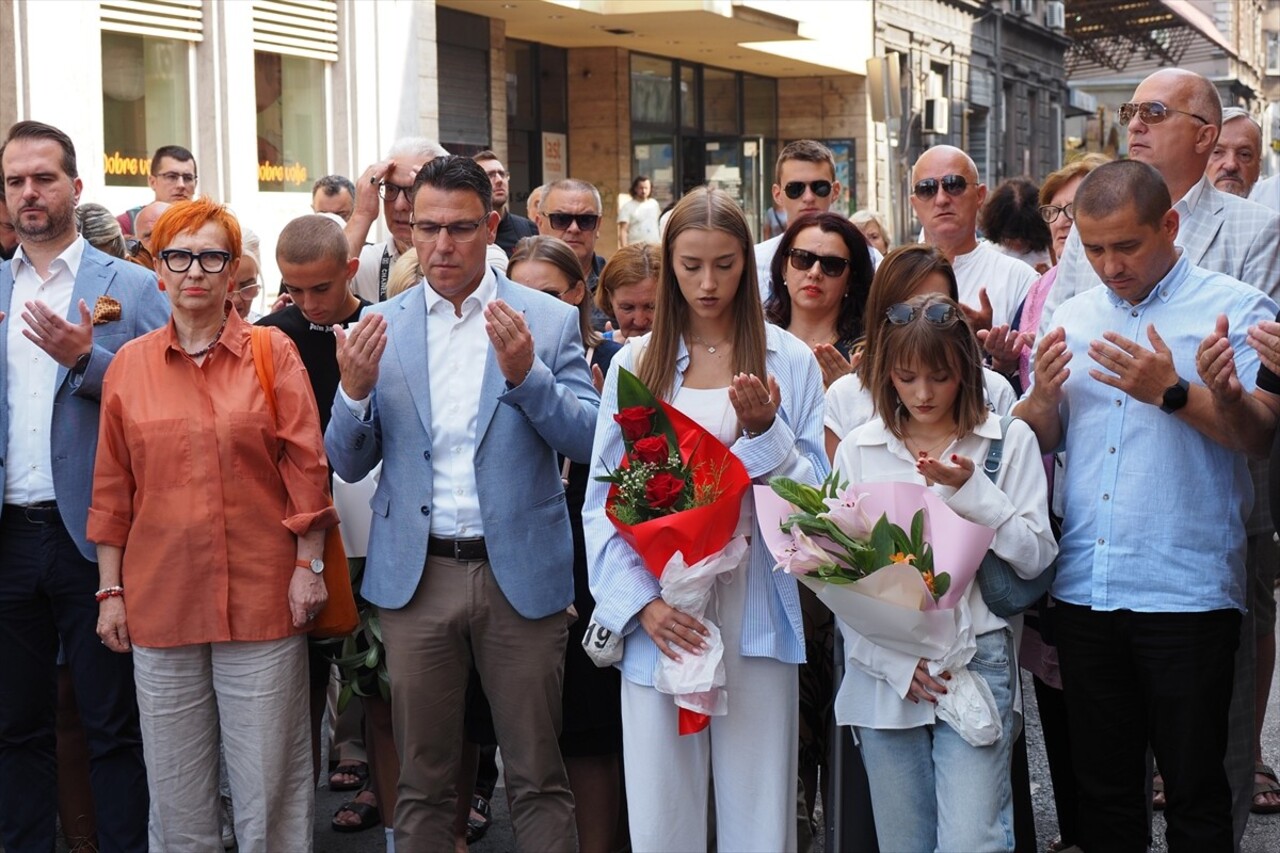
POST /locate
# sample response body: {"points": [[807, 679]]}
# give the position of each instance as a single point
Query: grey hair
{"points": [[99, 227], [573, 185], [1233, 113], [416, 148], [250, 245]]}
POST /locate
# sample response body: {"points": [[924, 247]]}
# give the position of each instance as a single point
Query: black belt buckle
{"points": [[45, 512], [463, 550]]}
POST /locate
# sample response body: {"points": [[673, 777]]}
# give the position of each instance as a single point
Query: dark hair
{"points": [[486, 154], [177, 152], [313, 237], [777, 309], [1012, 212], [896, 280], [637, 182], [1119, 185], [952, 347], [40, 130], [452, 173], [808, 150], [334, 184]]}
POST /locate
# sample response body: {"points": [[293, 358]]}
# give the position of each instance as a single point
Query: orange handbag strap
{"points": [[260, 343]]}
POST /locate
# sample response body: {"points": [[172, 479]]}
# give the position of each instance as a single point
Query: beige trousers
{"points": [[253, 697]]}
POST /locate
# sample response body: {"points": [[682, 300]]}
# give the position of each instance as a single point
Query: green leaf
{"points": [[882, 540], [344, 696], [941, 583], [375, 627], [917, 532], [371, 659], [800, 495], [633, 392]]}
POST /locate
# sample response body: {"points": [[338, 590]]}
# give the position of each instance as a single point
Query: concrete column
{"points": [[600, 129], [498, 87]]}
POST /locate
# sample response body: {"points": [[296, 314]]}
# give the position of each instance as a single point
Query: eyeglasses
{"points": [[248, 289], [562, 221], [1049, 212], [795, 189], [211, 260], [1152, 112], [952, 185], [459, 232], [498, 173], [175, 177], [831, 265], [389, 191], [937, 313]]}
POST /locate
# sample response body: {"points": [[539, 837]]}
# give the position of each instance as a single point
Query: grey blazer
{"points": [[519, 431], [74, 432]]}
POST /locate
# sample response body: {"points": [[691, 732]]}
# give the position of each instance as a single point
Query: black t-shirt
{"points": [[319, 351], [511, 228], [1270, 383]]}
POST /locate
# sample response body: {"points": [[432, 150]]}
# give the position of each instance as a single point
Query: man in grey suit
{"points": [[66, 309], [470, 556]]}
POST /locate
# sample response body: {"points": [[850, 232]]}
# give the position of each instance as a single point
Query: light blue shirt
{"points": [[1153, 510], [792, 447]]}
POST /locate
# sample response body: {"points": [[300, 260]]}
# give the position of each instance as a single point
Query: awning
{"points": [[1114, 35]]}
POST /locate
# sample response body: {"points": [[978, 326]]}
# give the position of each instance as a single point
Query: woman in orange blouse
{"points": [[211, 513]]}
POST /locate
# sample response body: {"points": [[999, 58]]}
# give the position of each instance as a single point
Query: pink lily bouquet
{"points": [[900, 581]]}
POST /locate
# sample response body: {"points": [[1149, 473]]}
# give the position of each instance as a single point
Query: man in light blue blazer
{"points": [[466, 388], [65, 308]]}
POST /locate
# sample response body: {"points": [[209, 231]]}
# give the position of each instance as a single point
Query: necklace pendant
{"points": [[711, 350]]}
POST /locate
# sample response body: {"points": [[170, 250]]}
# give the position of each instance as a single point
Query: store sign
{"points": [[122, 165], [555, 157], [274, 173]]}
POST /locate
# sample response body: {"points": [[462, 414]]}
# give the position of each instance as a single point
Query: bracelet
{"points": [[108, 592]]}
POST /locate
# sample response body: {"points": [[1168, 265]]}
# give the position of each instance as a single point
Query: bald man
{"points": [[146, 221], [946, 196]]}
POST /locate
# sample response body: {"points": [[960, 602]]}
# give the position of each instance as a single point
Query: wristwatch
{"points": [[316, 566], [1175, 396], [82, 363]]}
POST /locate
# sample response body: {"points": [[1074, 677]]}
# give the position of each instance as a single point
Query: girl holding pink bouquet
{"points": [[759, 391], [930, 789]]}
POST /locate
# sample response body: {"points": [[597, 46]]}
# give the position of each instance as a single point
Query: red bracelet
{"points": [[108, 592]]}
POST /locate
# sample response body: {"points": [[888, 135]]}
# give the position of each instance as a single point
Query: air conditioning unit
{"points": [[1022, 7], [937, 114], [1055, 15]]}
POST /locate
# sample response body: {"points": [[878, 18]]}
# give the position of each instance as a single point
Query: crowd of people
{"points": [[1088, 366]]}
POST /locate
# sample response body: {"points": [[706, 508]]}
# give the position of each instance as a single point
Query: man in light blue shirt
{"points": [[1150, 585]]}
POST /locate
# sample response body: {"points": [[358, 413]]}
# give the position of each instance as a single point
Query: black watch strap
{"points": [[82, 363], [1175, 396]]}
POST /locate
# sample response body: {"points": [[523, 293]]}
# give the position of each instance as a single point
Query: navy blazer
{"points": [[518, 434], [74, 431]]}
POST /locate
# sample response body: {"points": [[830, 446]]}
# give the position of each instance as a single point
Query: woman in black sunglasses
{"points": [[821, 274]]}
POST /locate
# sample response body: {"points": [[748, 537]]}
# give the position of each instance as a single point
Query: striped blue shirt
{"points": [[1153, 510], [792, 447]]}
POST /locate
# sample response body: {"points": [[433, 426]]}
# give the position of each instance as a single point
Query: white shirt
{"points": [[1267, 192], [1007, 281], [457, 350], [641, 218], [33, 376], [367, 283], [849, 405]]}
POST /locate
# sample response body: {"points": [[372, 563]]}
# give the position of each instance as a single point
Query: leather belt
{"points": [[45, 512], [464, 550]]}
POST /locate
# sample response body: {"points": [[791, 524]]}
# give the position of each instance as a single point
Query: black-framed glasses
{"points": [[832, 265], [1152, 112], [212, 261], [795, 189], [389, 191], [937, 313], [562, 221], [175, 177], [1049, 212], [952, 185], [459, 232]]}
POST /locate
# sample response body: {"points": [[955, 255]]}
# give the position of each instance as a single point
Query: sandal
{"points": [[359, 769], [369, 817], [478, 826], [1271, 786], [1157, 793]]}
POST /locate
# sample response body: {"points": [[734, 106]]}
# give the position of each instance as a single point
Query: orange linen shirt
{"points": [[204, 494]]}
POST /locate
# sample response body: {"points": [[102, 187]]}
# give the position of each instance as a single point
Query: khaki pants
{"points": [[251, 696], [458, 613]]}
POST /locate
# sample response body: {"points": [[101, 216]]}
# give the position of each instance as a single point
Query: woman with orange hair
{"points": [[210, 506]]}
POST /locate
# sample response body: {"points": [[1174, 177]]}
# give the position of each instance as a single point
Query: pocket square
{"points": [[106, 310]]}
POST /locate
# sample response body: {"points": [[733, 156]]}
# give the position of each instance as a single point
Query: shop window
{"points": [[146, 103], [651, 90], [720, 102], [292, 127]]}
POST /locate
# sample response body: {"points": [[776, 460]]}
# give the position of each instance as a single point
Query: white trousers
{"points": [[750, 753], [251, 696]]}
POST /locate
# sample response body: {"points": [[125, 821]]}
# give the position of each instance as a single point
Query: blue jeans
{"points": [[932, 791]]}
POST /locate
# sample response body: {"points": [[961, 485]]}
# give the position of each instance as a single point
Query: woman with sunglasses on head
{"points": [[209, 510], [909, 271], [820, 277], [759, 391], [931, 789]]}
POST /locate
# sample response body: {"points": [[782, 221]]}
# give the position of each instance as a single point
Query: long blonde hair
{"points": [[705, 209]]}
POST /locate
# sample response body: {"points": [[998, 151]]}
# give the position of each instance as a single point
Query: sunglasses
{"points": [[952, 185], [937, 313], [1152, 112], [562, 221], [831, 265], [795, 189], [212, 261], [1049, 212]]}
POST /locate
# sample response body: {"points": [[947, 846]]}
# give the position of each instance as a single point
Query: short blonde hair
{"points": [[404, 274]]}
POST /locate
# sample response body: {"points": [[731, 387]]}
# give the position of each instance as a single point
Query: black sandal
{"points": [[369, 817], [477, 827], [359, 769]]}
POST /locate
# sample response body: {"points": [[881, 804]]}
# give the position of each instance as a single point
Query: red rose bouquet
{"points": [[675, 498]]}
